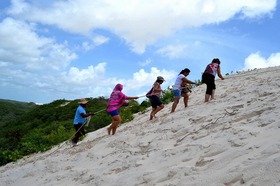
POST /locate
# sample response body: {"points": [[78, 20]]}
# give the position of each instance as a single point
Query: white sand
{"points": [[233, 140]]}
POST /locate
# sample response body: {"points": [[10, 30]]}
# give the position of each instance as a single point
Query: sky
{"points": [[69, 49]]}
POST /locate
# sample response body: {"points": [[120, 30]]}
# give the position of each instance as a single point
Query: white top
{"points": [[178, 82]]}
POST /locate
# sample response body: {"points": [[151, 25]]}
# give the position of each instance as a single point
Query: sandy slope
{"points": [[233, 140]]}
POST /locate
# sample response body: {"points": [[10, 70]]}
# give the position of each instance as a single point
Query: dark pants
{"points": [[80, 131], [209, 80], [155, 101]]}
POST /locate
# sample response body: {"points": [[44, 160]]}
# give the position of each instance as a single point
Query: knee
{"points": [[117, 120], [176, 101]]}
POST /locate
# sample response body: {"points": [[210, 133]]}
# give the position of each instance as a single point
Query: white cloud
{"points": [[29, 59], [20, 45], [252, 8], [255, 60], [96, 41], [94, 82], [172, 51], [87, 46], [143, 78], [99, 40], [83, 16], [84, 77], [145, 63]]}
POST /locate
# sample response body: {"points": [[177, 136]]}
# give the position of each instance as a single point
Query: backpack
{"points": [[148, 95]]}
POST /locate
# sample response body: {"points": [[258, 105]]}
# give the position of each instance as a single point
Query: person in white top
{"points": [[180, 83]]}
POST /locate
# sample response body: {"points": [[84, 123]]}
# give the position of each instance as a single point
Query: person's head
{"points": [[185, 72], [118, 87], [160, 79], [83, 102], [216, 60]]}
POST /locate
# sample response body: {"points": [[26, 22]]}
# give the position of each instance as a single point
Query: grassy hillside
{"points": [[28, 128], [10, 110]]}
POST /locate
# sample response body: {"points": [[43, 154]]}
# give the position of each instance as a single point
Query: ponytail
{"points": [[186, 70]]}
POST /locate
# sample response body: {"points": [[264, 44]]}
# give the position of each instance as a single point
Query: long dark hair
{"points": [[216, 60], [186, 70]]}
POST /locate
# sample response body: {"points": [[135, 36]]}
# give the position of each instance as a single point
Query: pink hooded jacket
{"points": [[117, 98]]}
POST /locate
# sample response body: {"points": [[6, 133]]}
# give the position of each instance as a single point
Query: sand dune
{"points": [[233, 140]]}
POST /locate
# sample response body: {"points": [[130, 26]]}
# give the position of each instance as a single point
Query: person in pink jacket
{"points": [[116, 100]]}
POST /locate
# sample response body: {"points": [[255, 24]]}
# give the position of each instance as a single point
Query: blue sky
{"points": [[68, 49]]}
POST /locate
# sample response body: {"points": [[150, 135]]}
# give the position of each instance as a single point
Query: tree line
{"points": [[28, 128]]}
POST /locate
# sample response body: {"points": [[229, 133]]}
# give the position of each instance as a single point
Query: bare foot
{"points": [[151, 117], [109, 130]]}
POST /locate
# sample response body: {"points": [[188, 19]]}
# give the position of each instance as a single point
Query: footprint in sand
{"points": [[202, 162], [238, 180]]}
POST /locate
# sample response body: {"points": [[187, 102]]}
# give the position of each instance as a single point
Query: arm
{"points": [[86, 115], [158, 89], [219, 73], [184, 85], [186, 81]]}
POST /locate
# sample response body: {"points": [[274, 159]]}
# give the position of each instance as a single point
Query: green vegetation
{"points": [[10, 110], [28, 128], [39, 128]]}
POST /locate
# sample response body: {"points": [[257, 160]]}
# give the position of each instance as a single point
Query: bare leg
{"points": [[156, 110], [175, 103], [186, 99], [114, 130], [213, 94], [109, 129], [152, 112], [113, 127], [207, 96]]}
